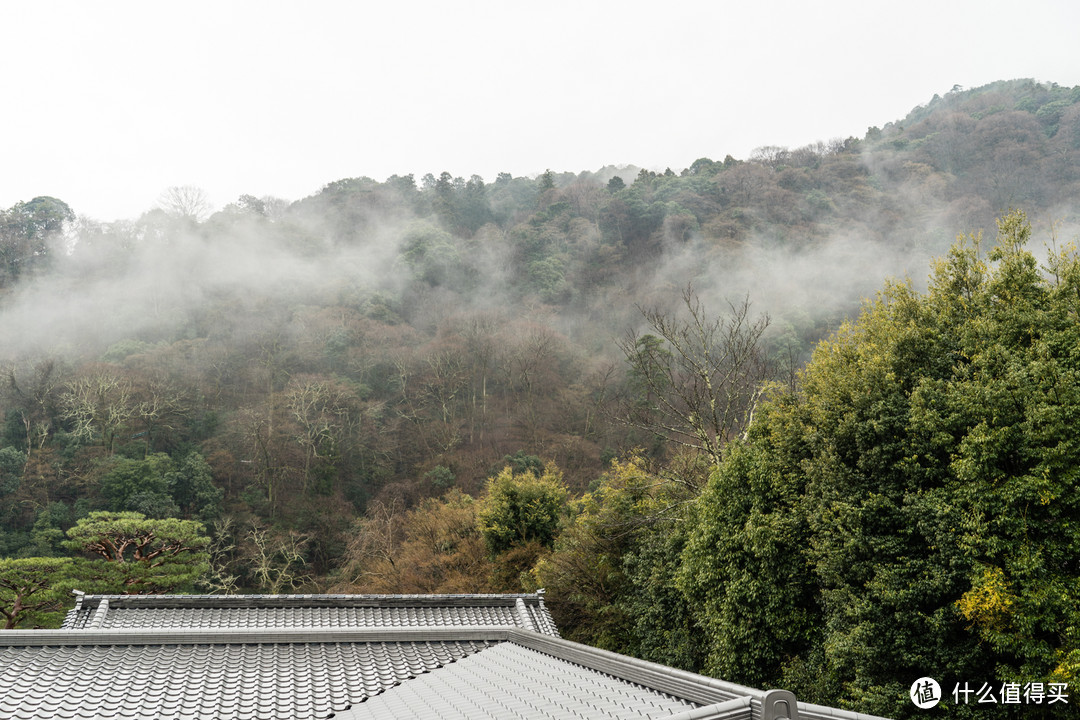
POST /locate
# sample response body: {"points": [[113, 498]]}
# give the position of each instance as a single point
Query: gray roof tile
{"points": [[310, 611], [512, 681], [238, 681], [306, 617]]}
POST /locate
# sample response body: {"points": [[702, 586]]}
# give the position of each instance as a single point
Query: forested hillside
{"points": [[634, 388]]}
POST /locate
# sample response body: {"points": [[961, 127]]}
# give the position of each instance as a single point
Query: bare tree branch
{"points": [[186, 201], [695, 379]]}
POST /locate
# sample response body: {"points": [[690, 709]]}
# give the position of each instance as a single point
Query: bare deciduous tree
{"points": [[159, 407], [220, 579], [696, 380], [323, 413], [276, 559], [186, 201], [35, 400], [369, 557], [99, 404]]}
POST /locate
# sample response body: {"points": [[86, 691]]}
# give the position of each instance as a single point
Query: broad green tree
{"points": [[140, 485], [159, 487], [192, 488], [29, 232], [745, 569], [611, 573], [520, 509], [519, 519], [908, 510], [584, 573], [12, 462]]}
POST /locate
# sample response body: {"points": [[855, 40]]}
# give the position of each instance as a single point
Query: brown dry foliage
{"points": [[433, 548]]}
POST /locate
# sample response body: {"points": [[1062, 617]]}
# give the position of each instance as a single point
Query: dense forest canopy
{"points": [[450, 384]]}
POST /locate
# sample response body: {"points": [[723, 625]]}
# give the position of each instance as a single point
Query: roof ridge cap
{"points": [[312, 600], [532, 595], [233, 636]]}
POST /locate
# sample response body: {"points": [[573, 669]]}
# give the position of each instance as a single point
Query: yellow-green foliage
{"points": [[912, 507], [434, 547], [1068, 669], [520, 509], [610, 575], [586, 565], [988, 602]]}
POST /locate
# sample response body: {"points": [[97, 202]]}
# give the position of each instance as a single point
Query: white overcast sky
{"points": [[105, 104]]}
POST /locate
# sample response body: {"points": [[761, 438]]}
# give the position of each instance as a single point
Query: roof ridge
{"points": [[313, 600], [252, 636], [533, 595]]}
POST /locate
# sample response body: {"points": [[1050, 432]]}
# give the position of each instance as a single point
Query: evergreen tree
{"points": [[907, 511]]}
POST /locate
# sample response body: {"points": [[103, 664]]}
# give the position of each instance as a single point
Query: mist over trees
{"points": [[912, 498], [446, 384]]}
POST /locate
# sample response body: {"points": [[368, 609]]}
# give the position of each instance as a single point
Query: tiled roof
{"points": [[235, 680], [308, 617], [355, 657], [491, 684], [310, 611]]}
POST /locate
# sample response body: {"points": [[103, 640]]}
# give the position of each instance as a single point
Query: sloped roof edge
{"points": [[680, 683], [722, 700], [273, 611]]}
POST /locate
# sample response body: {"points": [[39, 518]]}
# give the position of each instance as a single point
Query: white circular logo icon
{"points": [[925, 692]]}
